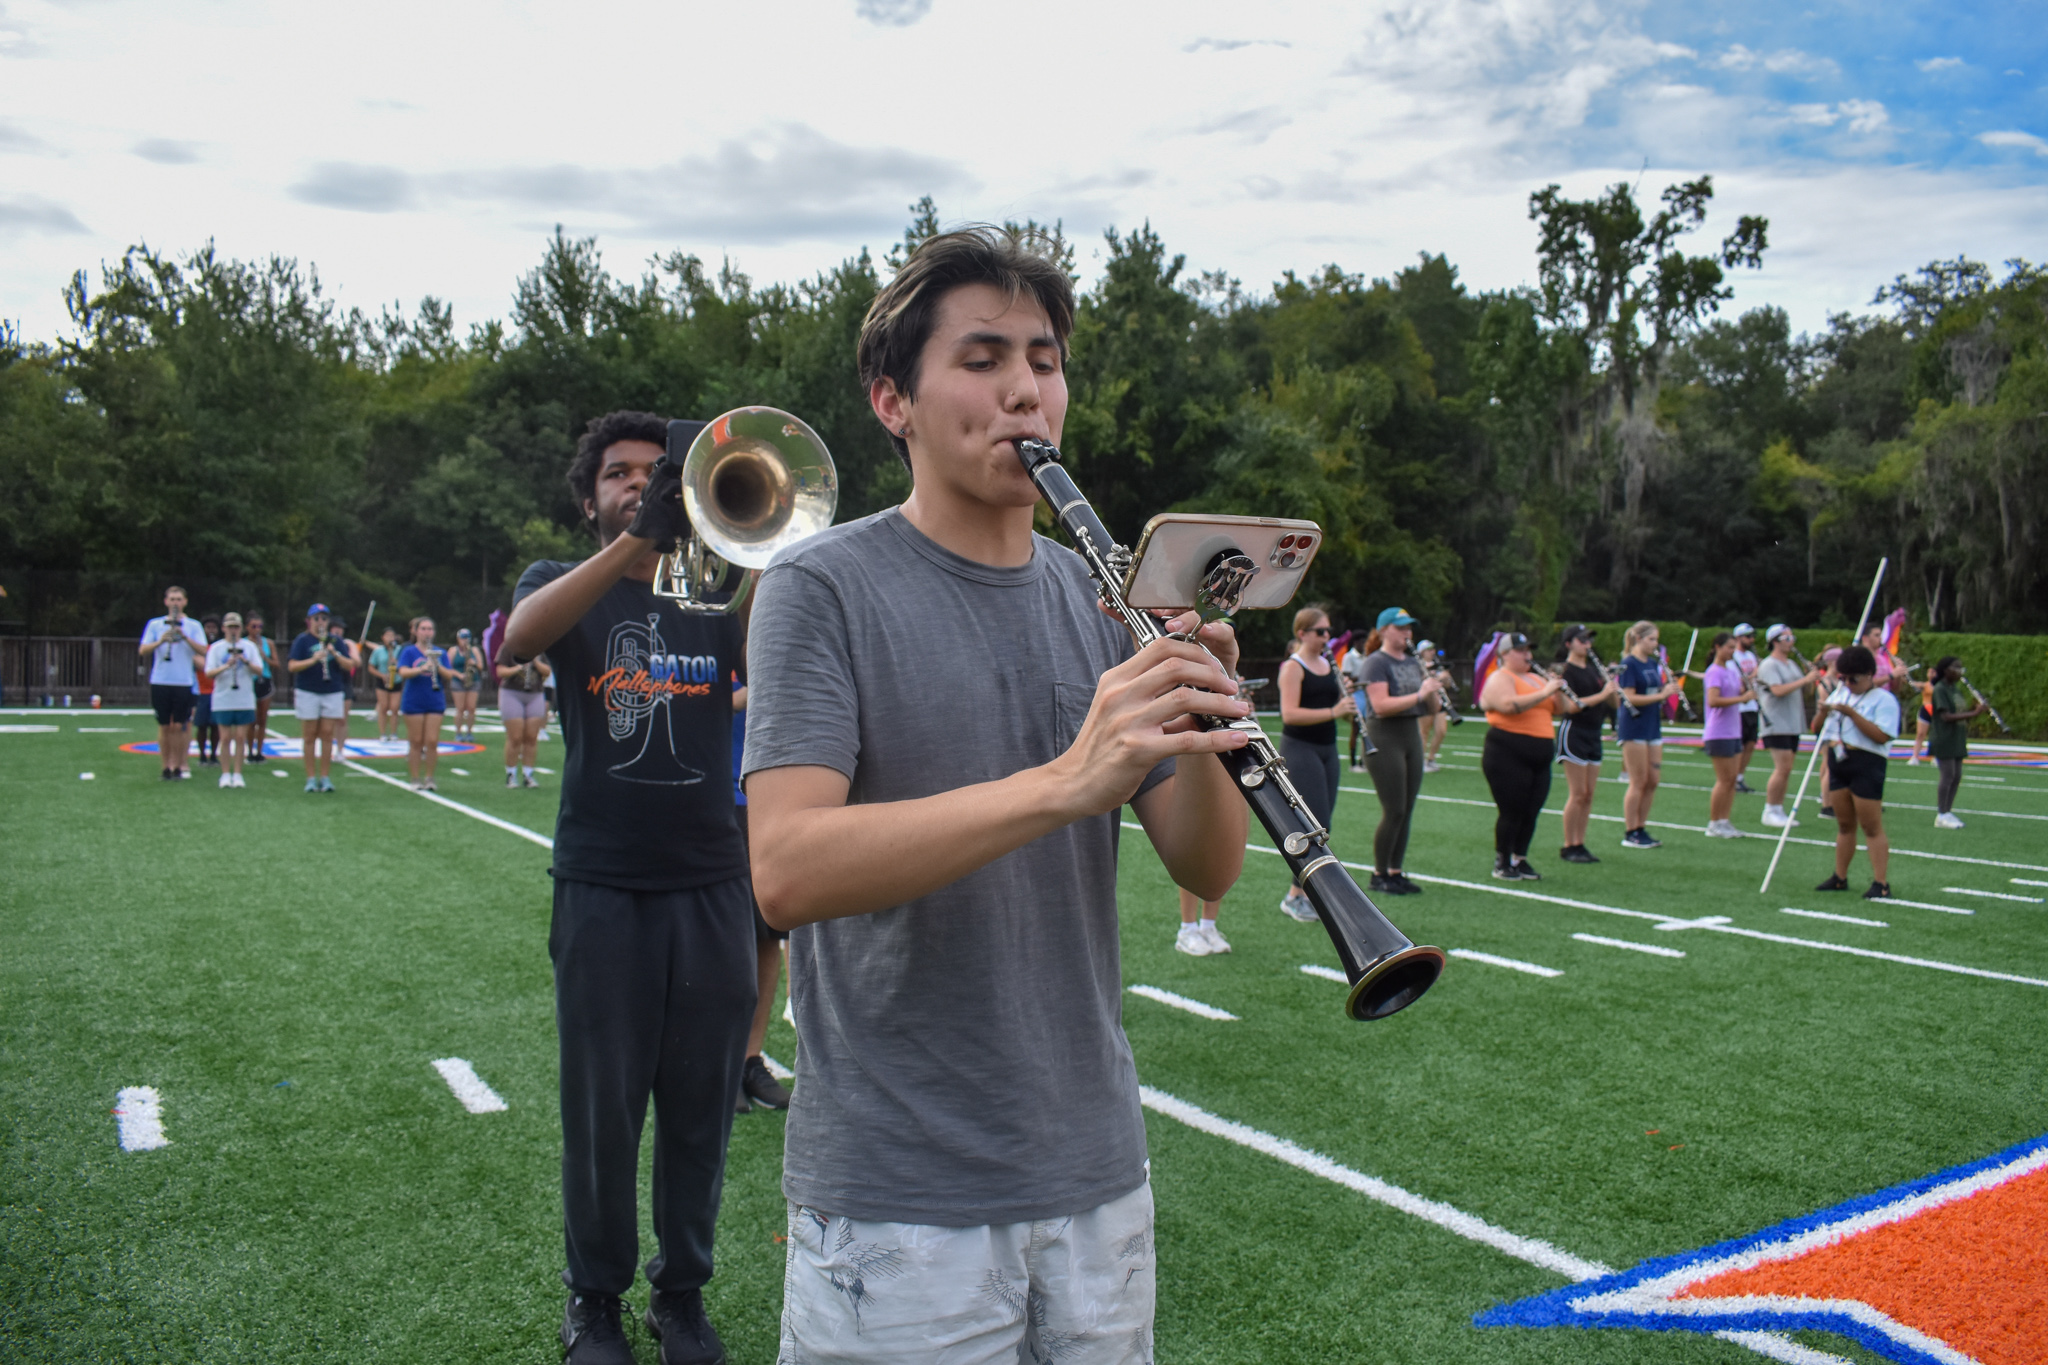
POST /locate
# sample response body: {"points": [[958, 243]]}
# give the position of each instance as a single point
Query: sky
{"points": [[414, 149]]}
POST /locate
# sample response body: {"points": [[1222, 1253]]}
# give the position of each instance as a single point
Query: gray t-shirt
{"points": [[964, 1060], [1784, 715], [1403, 677]]}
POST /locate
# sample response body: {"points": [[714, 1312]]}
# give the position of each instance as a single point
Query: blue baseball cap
{"points": [[1395, 616], [317, 609]]}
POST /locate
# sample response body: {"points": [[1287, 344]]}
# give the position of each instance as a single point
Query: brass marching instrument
{"points": [[755, 481], [1387, 971]]}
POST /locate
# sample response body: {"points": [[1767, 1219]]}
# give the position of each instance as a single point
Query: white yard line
{"points": [[1954, 967], [469, 1087], [1450, 1218], [1993, 895], [2023, 881], [1326, 973], [440, 800], [139, 1118], [1181, 1002], [1650, 948], [1839, 919], [1512, 964], [1927, 905]]}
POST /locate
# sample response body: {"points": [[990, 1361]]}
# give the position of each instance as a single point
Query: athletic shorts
{"points": [[173, 704], [438, 707], [764, 932], [1079, 1289], [202, 710], [1787, 742], [1927, 715], [453, 688], [1644, 727], [318, 705], [234, 718], [1581, 745], [1749, 723], [393, 688], [522, 705], [1722, 748], [1858, 772]]}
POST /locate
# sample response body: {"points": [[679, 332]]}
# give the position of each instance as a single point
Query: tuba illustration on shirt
{"points": [[640, 685]]}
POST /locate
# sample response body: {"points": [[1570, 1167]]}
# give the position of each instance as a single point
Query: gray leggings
{"points": [[1396, 768], [1314, 770], [1951, 778]]}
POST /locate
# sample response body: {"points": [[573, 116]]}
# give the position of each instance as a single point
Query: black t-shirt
{"points": [[1585, 680], [645, 694]]}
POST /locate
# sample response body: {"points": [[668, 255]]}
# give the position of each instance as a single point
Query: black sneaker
{"points": [[1379, 883], [1526, 873], [1744, 787], [1879, 891], [1639, 838], [1834, 884], [1577, 853], [592, 1333], [762, 1088], [1503, 870], [1398, 883], [677, 1321]]}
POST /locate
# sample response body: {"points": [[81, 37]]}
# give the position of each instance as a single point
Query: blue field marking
{"points": [[1579, 1305]]}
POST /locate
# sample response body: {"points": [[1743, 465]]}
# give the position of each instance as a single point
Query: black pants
{"points": [[1951, 778], [654, 992], [1314, 770], [1517, 768], [1396, 767]]}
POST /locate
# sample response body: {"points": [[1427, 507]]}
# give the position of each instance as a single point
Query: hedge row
{"points": [[2012, 670]]}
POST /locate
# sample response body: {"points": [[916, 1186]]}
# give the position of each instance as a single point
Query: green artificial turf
{"points": [[283, 967]]}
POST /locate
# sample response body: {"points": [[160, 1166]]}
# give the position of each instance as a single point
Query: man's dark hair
{"points": [[900, 320], [601, 435], [1856, 662]]}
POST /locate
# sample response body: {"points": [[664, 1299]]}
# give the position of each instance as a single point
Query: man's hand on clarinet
{"points": [[1143, 714]]}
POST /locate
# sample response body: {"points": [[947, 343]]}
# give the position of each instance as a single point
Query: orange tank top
{"points": [[1536, 720]]}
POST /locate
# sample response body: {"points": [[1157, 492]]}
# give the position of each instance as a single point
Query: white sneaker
{"points": [[1217, 943], [1913, 762], [1296, 906], [240, 780], [1947, 822], [227, 780], [1722, 829], [1775, 817], [1192, 941], [1430, 765]]}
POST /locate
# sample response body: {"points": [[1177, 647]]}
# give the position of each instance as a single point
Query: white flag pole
{"points": [[1785, 831]]}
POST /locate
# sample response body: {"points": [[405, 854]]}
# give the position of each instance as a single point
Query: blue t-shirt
{"points": [[309, 679], [1640, 723], [422, 694]]}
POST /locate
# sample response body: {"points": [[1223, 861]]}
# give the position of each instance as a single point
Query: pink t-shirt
{"points": [[1725, 722]]}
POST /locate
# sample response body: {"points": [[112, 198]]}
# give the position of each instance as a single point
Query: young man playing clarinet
{"points": [[942, 729], [652, 938]]}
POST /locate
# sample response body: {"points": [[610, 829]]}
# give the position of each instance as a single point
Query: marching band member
{"points": [[1519, 751], [1398, 696], [1781, 684], [1727, 691], [1859, 721], [1645, 686], [1579, 746]]}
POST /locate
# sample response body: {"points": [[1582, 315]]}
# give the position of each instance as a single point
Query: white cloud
{"points": [[29, 214], [1941, 64], [167, 151], [1784, 62], [2013, 137], [1867, 117], [892, 13]]}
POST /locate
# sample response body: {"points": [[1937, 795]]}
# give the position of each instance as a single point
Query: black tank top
{"points": [[1318, 691]]}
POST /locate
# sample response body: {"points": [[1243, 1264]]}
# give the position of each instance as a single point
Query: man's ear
{"points": [[590, 510], [891, 408]]}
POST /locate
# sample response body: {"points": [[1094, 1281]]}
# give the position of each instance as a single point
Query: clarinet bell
{"points": [[1388, 972]]}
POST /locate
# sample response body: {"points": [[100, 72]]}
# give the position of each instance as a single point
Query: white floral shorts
{"points": [[1076, 1290]]}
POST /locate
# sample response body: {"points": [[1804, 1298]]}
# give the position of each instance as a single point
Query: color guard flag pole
{"points": [[1785, 830]]}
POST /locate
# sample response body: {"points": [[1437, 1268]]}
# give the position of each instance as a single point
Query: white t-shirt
{"points": [[1878, 706], [234, 690], [171, 665], [1745, 663]]}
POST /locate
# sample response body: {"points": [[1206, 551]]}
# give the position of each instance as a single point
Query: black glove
{"points": [[661, 518]]}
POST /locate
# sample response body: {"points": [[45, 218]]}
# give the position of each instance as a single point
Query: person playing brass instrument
{"points": [[942, 731]]}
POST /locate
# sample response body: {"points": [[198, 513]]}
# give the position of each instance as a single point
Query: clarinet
{"points": [[1387, 971], [1985, 702]]}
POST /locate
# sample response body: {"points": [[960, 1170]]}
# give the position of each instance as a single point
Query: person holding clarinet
{"points": [[1645, 686], [1948, 742]]}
